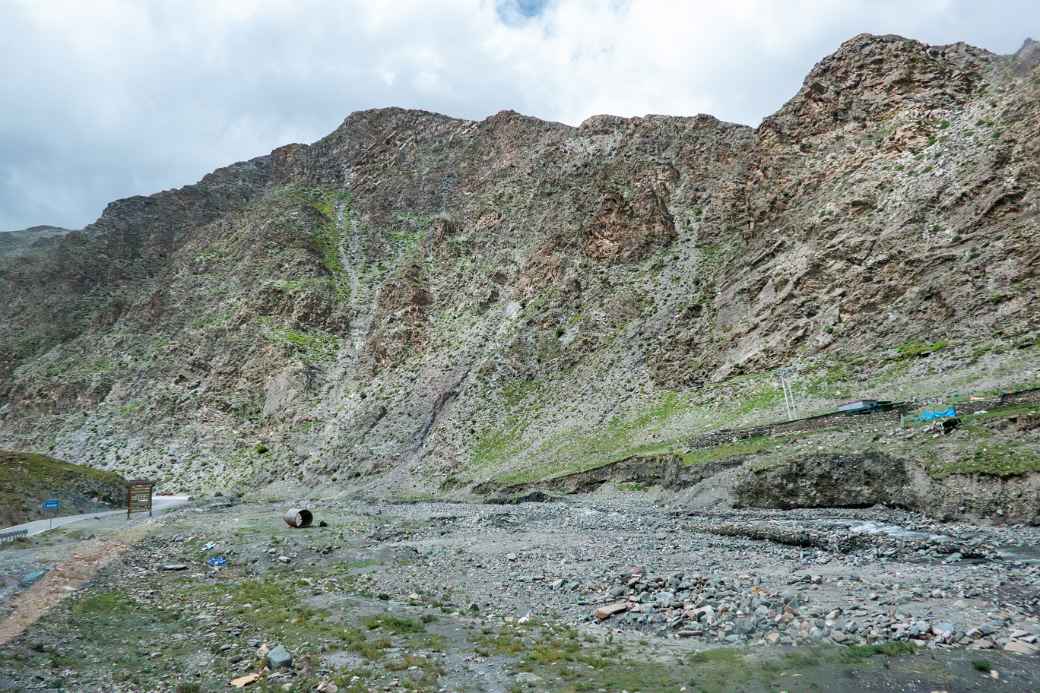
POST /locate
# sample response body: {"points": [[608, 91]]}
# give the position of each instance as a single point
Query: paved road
{"points": [[159, 503]]}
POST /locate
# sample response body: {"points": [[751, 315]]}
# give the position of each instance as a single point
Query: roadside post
{"points": [[139, 496], [52, 504]]}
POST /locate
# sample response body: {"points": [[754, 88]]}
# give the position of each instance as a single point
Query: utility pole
{"points": [[785, 374]]}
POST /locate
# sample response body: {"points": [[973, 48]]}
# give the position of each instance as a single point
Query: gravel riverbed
{"points": [[603, 592]]}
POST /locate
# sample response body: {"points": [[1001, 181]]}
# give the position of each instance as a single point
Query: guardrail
{"points": [[13, 534]]}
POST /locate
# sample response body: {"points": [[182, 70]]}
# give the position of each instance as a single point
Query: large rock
{"points": [[279, 658]]}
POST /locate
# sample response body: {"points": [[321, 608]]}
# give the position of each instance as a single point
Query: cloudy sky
{"points": [[105, 99]]}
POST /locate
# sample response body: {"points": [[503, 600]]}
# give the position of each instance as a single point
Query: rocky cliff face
{"points": [[442, 302]]}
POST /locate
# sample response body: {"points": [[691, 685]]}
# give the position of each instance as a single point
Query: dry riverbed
{"points": [[611, 592]]}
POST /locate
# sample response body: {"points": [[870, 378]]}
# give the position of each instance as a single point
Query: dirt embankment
{"points": [[863, 480], [825, 480], [27, 479]]}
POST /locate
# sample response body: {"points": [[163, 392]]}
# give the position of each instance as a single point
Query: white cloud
{"points": [[105, 99]]}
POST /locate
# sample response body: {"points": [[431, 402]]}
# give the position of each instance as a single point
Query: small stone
{"points": [[174, 566], [284, 559], [243, 681], [663, 600], [919, 628], [707, 612], [1019, 647], [526, 678], [982, 644], [605, 612]]}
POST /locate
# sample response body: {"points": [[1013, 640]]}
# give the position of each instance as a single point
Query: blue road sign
{"points": [[51, 504]]}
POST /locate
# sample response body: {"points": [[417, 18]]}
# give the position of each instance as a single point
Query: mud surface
{"points": [[438, 596]]}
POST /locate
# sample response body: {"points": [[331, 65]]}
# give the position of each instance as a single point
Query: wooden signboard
{"points": [[139, 496]]}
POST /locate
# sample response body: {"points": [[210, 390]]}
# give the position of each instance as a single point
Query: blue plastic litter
{"points": [[217, 561], [32, 578], [930, 415]]}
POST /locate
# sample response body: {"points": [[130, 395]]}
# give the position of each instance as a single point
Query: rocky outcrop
{"points": [[26, 480], [828, 481], [30, 241], [864, 480]]}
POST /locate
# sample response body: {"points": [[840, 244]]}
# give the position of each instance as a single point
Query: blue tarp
{"points": [[930, 415]]}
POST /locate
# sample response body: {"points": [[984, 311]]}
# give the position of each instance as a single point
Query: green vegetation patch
{"points": [[887, 649], [999, 460], [915, 349], [313, 346], [516, 391], [496, 445], [392, 623], [327, 235], [565, 660], [749, 446]]}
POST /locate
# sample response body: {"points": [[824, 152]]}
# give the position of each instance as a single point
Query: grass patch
{"points": [[504, 643], [574, 451], [749, 446], [496, 445], [887, 649], [356, 641], [1007, 412], [105, 605], [917, 349], [391, 623], [517, 391], [1001, 460], [314, 346]]}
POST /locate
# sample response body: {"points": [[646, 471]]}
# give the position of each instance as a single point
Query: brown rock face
{"points": [[400, 322], [629, 230], [450, 300]]}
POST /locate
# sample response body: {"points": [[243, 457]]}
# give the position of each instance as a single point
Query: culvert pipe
{"points": [[299, 517]]}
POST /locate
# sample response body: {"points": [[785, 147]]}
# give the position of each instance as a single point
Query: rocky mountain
{"points": [[34, 239], [437, 302]]}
